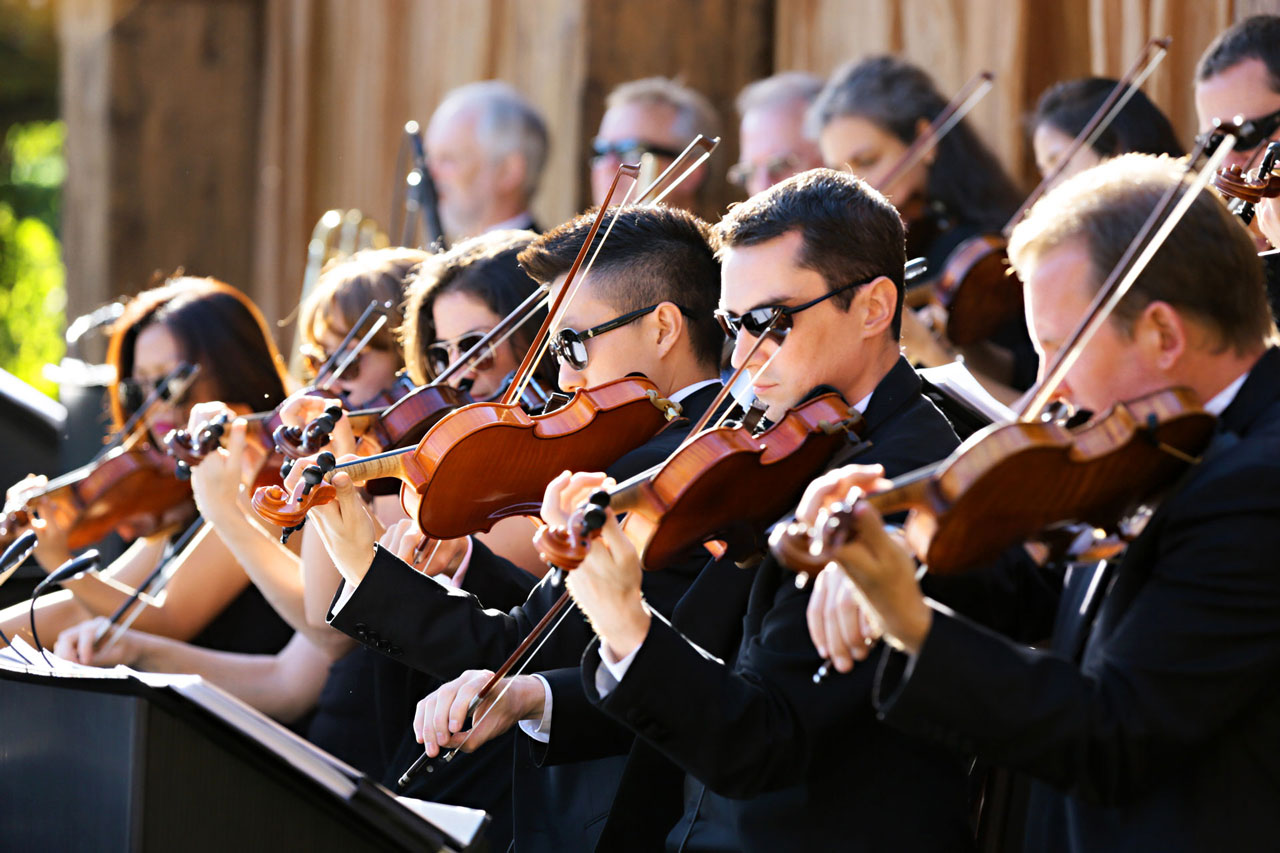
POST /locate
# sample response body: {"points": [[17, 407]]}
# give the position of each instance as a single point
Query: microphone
{"points": [[87, 561], [15, 555]]}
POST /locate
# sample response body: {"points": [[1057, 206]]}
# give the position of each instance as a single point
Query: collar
{"points": [[861, 405], [1224, 398], [690, 390]]}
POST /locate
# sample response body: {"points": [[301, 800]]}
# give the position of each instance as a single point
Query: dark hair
{"points": [[653, 254], [216, 327], [966, 178], [849, 231], [1139, 127], [1256, 37], [345, 288], [484, 267], [1208, 268]]}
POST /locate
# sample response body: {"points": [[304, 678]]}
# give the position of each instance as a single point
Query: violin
{"points": [[134, 485], [497, 455], [1235, 183], [1011, 482], [977, 288]]}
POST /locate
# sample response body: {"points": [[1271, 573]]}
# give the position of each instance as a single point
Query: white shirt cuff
{"points": [[541, 730], [611, 674], [348, 590]]}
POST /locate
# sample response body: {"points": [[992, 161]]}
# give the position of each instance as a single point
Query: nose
{"points": [[570, 379]]}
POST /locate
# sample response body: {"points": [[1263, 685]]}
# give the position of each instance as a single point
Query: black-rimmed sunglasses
{"points": [[629, 150], [1251, 133], [757, 320], [569, 346], [441, 354]]}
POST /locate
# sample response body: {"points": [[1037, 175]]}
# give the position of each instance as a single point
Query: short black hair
{"points": [[1256, 37], [850, 232], [653, 254], [1139, 127]]}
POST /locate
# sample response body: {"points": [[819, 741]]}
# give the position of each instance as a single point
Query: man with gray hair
{"points": [[772, 144], [655, 116], [486, 147]]}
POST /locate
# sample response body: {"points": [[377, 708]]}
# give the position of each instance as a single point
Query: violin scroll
{"points": [[190, 450], [566, 547], [298, 442], [288, 510]]}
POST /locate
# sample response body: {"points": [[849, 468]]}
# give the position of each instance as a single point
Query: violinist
{"points": [[210, 600], [1064, 110], [772, 143], [864, 119], [645, 306], [656, 116], [735, 747], [486, 149], [1148, 722]]}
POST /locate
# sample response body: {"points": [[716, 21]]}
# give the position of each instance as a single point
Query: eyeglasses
{"points": [[628, 150], [441, 354], [314, 358], [1251, 133], [775, 169], [757, 320], [570, 346], [132, 393]]}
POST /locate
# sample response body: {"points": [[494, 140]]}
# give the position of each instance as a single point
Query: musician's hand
{"points": [[1269, 220], [347, 530], [843, 628], [216, 482], [429, 556], [837, 485], [302, 408], [76, 645], [569, 491], [439, 719], [606, 587], [886, 576], [51, 528]]}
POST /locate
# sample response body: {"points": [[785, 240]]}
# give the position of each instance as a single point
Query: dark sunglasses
{"points": [[441, 354], [569, 346], [628, 150], [757, 320], [1252, 133]]}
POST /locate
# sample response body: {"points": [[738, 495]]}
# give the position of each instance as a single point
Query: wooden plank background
{"points": [[213, 133]]}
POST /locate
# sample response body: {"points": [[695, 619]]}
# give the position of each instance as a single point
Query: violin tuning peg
{"points": [[182, 471], [593, 519], [313, 475], [325, 423], [600, 498], [334, 412], [286, 468], [326, 462]]}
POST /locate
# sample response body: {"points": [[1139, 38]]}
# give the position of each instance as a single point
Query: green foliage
{"points": [[32, 277]]}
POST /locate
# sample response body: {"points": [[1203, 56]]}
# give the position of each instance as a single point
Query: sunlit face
{"points": [[774, 146], [644, 122], [825, 344], [458, 315], [370, 372], [156, 354], [610, 355], [1244, 90], [462, 171], [1051, 144], [1059, 288], [869, 151]]}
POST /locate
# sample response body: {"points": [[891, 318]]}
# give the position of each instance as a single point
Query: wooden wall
{"points": [[213, 133]]}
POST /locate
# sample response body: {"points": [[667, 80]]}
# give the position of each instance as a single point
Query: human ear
{"points": [[1161, 332], [668, 324], [879, 302]]}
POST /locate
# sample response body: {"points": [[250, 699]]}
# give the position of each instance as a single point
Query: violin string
{"points": [[355, 351], [322, 378]]}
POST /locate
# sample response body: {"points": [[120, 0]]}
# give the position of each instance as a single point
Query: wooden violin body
{"points": [[488, 461], [136, 486], [1008, 483], [725, 485], [979, 290]]}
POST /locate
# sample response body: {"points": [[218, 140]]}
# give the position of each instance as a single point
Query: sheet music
{"points": [[956, 379], [460, 823]]}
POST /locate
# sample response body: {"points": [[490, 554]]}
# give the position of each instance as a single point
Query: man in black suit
{"points": [[645, 306], [1153, 721], [722, 697]]}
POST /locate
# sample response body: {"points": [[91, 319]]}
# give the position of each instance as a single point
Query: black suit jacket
{"points": [[769, 760], [445, 631], [1158, 726]]}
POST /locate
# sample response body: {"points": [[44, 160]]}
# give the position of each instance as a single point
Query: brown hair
{"points": [[653, 254], [216, 327], [849, 231], [1208, 268], [485, 267], [347, 286]]}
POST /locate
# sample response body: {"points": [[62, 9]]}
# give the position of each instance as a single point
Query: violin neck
{"points": [[907, 492], [389, 464]]}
